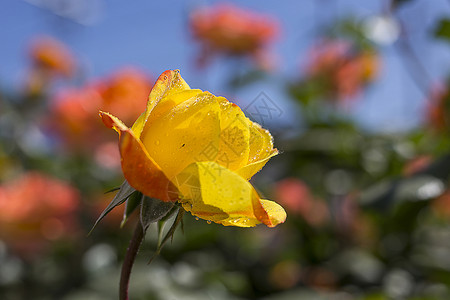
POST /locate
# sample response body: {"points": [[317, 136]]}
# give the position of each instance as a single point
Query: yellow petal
{"points": [[249, 170], [139, 169], [169, 82], [187, 133], [138, 126], [169, 102], [261, 143], [234, 136], [261, 150], [215, 193], [164, 104]]}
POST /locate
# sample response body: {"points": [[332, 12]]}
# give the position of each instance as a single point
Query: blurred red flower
{"points": [[342, 69], [417, 164], [36, 209], [296, 197], [74, 112], [441, 205], [438, 110], [231, 30]]}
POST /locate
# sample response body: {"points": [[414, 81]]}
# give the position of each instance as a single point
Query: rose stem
{"points": [[130, 256]]}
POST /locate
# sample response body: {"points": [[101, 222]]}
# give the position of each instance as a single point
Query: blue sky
{"points": [[153, 36]]}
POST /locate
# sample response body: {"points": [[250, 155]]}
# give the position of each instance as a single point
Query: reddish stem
{"points": [[130, 256]]}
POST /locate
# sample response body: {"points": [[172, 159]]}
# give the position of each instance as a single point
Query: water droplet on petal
{"points": [[196, 218], [209, 221]]}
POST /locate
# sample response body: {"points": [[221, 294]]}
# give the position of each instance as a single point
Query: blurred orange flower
{"points": [[74, 112], [125, 93], [36, 209], [296, 196], [231, 30], [343, 70], [51, 56]]}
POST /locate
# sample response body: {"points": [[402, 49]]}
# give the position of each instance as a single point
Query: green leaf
{"points": [[443, 29], [153, 210], [124, 193], [112, 190], [132, 203]]}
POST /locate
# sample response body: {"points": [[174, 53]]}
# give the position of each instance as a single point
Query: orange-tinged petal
{"points": [[187, 133], [276, 212], [215, 193], [176, 84], [112, 122], [138, 167], [234, 136]]}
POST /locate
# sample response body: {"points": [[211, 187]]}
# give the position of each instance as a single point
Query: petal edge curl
{"points": [[215, 193]]}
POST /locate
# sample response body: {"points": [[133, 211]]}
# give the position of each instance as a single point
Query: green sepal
{"points": [[130, 206], [124, 193], [153, 210], [169, 234]]}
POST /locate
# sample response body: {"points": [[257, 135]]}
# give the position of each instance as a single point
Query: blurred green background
{"points": [[355, 94]]}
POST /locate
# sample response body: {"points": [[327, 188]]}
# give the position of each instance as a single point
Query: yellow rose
{"points": [[199, 149]]}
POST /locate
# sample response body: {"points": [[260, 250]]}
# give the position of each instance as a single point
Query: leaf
{"points": [[112, 190], [169, 234], [443, 29], [132, 203], [124, 193], [153, 210]]}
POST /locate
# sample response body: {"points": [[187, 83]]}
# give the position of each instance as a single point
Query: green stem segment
{"points": [[130, 256]]}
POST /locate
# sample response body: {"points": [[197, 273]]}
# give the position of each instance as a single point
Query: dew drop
{"points": [[196, 218], [209, 221]]}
